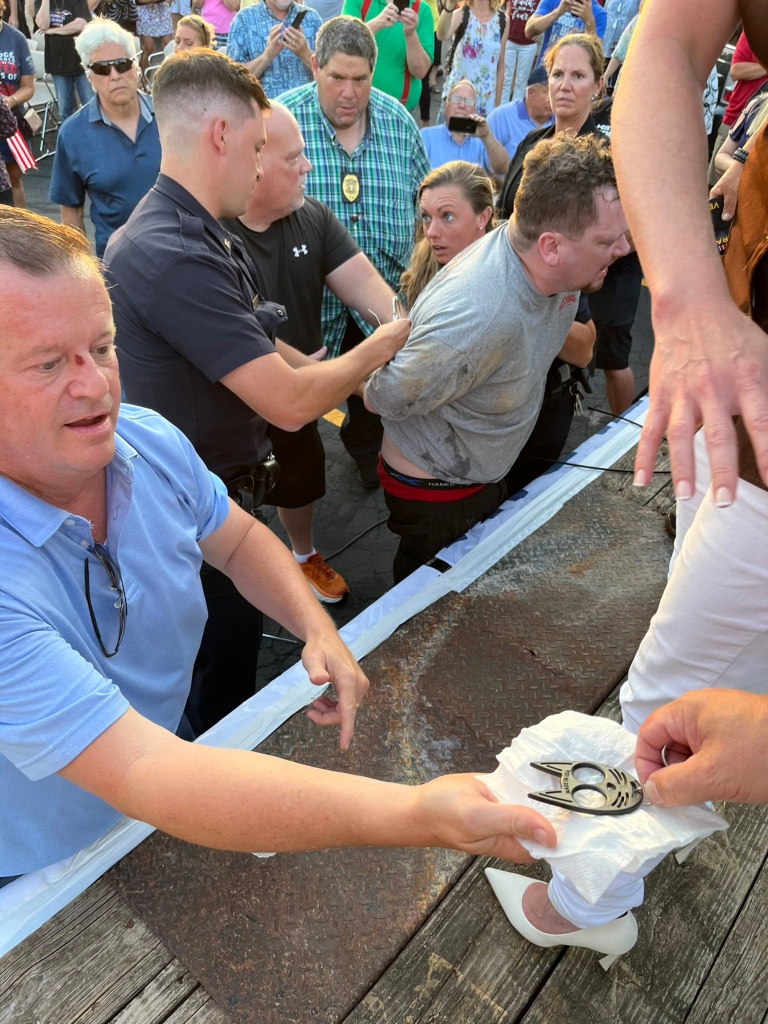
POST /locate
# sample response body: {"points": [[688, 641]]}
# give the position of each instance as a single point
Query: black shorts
{"points": [[301, 457], [613, 310]]}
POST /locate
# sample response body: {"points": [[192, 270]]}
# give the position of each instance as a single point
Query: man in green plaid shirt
{"points": [[368, 161]]}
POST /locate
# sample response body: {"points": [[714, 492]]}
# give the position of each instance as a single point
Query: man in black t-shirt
{"points": [[60, 21], [298, 246]]}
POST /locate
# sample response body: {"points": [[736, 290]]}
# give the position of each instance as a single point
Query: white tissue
{"points": [[591, 849]]}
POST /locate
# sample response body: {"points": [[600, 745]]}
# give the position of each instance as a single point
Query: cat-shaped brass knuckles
{"points": [[621, 793]]}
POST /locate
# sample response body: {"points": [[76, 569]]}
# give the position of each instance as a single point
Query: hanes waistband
{"points": [[412, 488]]}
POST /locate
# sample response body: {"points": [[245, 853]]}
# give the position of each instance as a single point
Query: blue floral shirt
{"points": [[248, 39]]}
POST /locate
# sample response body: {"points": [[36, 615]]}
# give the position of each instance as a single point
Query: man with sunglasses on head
{"points": [[110, 149]]}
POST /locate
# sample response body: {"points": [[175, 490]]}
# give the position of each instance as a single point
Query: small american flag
{"points": [[21, 152]]}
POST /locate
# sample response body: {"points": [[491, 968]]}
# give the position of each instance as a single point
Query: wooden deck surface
{"points": [[700, 959]]}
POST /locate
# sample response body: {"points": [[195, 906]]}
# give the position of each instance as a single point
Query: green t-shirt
{"points": [[389, 75]]}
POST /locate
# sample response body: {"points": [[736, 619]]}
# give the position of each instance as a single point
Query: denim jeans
{"points": [[65, 86]]}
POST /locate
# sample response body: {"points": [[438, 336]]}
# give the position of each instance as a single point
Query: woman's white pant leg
{"points": [[624, 893], [711, 628]]}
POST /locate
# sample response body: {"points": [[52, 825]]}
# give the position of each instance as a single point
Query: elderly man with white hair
{"points": [[110, 149]]}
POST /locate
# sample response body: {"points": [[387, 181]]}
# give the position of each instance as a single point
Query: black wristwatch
{"points": [[740, 155]]}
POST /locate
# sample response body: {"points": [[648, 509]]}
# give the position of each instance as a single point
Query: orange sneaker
{"points": [[325, 582]]}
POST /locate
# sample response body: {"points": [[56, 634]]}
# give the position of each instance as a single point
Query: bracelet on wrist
{"points": [[741, 155]]}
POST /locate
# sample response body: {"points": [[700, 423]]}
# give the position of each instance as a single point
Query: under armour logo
{"points": [[300, 252]]}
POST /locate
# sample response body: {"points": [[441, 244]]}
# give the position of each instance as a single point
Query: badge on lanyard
{"points": [[350, 187]]}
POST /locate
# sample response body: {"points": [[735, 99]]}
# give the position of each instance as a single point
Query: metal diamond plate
{"points": [[554, 625]]}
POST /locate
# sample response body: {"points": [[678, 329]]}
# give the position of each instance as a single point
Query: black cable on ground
{"points": [[354, 540], [610, 415], [601, 469]]}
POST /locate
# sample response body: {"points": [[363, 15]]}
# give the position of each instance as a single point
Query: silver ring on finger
{"points": [[664, 755]]}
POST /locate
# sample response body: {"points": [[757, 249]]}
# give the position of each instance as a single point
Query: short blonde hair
{"points": [[203, 28], [41, 248]]}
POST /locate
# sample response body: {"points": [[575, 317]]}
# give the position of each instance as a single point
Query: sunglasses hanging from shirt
{"points": [[104, 67]]}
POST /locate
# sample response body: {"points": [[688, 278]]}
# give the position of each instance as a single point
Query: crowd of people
{"points": [[275, 236]]}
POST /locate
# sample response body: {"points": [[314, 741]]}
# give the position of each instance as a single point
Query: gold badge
{"points": [[350, 186]]}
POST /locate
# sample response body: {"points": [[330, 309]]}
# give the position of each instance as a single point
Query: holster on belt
{"points": [[251, 488]]}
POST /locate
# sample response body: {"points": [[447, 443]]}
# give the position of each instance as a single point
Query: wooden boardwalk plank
{"points": [[87, 964], [736, 990], [686, 917], [198, 1009], [160, 998], [469, 966], [657, 496], [467, 963]]}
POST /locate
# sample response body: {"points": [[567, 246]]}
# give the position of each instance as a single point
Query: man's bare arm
{"points": [[579, 345], [538, 24], [73, 217], [710, 362], [359, 286], [266, 574], [238, 800], [289, 397], [747, 71]]}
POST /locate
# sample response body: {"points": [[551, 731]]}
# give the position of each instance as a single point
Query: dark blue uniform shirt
{"points": [[187, 313]]}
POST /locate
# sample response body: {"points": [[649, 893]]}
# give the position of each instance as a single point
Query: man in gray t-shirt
{"points": [[459, 401]]}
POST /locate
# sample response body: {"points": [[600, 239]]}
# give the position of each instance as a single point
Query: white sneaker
{"points": [[614, 938]]}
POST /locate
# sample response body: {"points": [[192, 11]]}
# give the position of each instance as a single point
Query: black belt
{"points": [[251, 488], [566, 378]]}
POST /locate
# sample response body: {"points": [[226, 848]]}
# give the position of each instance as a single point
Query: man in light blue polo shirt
{"points": [[511, 122], [110, 149], [480, 147], [105, 517]]}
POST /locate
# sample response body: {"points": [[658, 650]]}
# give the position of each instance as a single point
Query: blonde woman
{"points": [[478, 30], [455, 209], [191, 32]]}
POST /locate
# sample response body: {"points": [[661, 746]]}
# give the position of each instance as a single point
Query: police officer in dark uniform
{"points": [[196, 342]]}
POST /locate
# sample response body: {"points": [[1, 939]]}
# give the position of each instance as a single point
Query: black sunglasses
{"points": [[103, 67], [116, 584]]}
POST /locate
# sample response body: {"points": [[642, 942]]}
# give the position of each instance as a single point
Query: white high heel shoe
{"points": [[614, 938]]}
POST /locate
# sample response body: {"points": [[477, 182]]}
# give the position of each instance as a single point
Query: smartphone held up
{"points": [[467, 125]]}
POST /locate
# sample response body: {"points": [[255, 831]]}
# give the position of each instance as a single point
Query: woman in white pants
{"points": [[520, 52], [711, 630]]}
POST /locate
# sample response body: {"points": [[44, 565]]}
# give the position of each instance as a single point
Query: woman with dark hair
{"points": [[576, 91]]}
